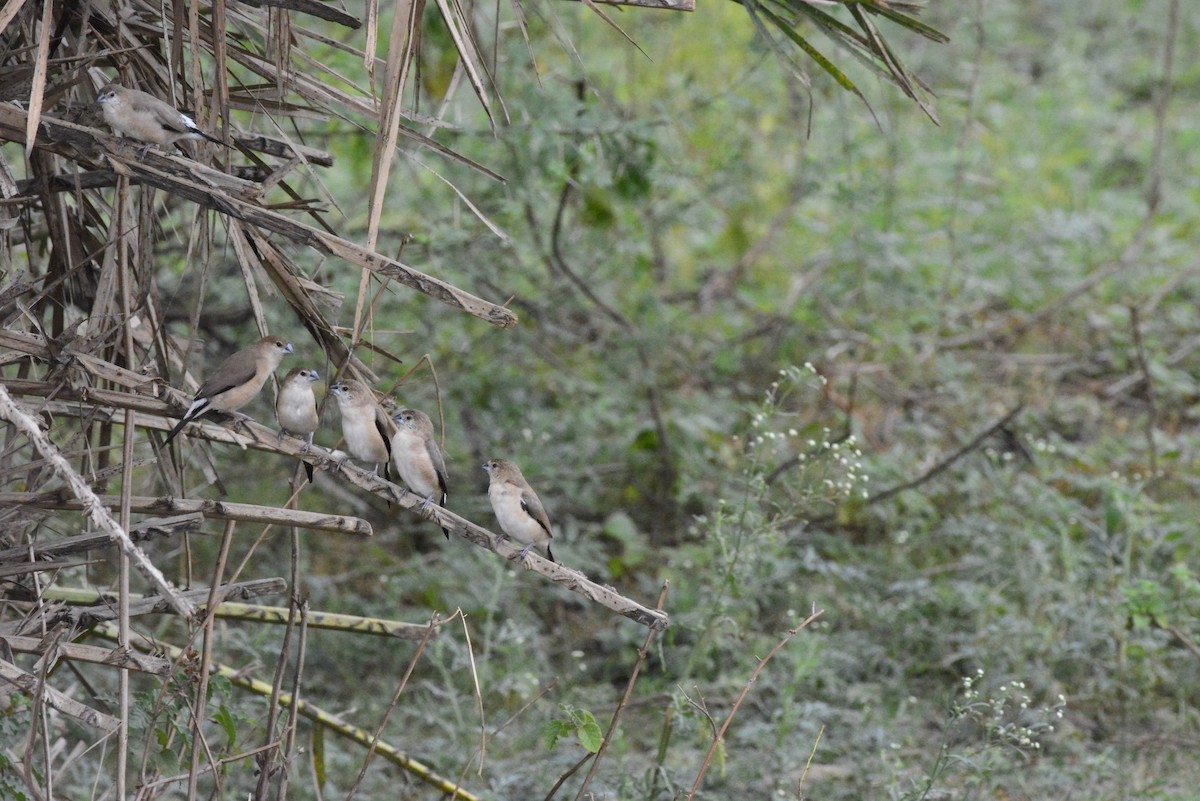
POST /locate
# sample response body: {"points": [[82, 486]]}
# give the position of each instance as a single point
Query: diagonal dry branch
{"points": [[261, 438], [28, 683], [90, 653], [98, 512]]}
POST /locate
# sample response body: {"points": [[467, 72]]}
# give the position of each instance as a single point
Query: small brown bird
{"points": [[517, 507], [236, 380], [138, 115], [296, 408], [418, 458], [365, 427]]}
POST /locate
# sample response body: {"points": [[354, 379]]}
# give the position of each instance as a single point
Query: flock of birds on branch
{"points": [[405, 439]]}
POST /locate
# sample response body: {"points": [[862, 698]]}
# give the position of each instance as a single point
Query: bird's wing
{"points": [[238, 369], [163, 112], [439, 466], [533, 507], [385, 427], [175, 120]]}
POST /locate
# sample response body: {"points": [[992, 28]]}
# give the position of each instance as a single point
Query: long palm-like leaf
{"points": [[862, 40]]}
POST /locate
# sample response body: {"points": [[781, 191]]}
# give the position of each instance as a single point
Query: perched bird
{"points": [[296, 408], [365, 427], [138, 115], [236, 380], [517, 507], [418, 458]]}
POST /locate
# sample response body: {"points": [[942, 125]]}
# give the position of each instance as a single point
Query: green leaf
{"points": [[554, 729], [812, 52], [590, 736], [1113, 519], [911, 23], [219, 685], [227, 720]]}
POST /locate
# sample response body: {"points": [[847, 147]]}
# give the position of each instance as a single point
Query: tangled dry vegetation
{"points": [[91, 369], [93, 375]]}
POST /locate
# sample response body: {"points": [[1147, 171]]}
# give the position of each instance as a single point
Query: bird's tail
{"points": [[195, 410], [183, 421], [212, 139]]}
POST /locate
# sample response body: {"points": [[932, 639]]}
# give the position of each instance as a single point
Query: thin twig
{"points": [[268, 759], [1152, 418], [616, 717], [319, 716], [762, 663], [808, 764], [477, 688], [1162, 99], [289, 744], [944, 464], [571, 771], [126, 491], [198, 711], [10, 410], [514, 716], [412, 665]]}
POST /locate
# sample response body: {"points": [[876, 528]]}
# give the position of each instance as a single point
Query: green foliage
{"points": [[982, 737], [15, 722], [578, 723], [718, 245]]}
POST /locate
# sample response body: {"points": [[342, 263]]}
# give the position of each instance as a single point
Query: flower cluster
{"points": [[1008, 716], [821, 465]]}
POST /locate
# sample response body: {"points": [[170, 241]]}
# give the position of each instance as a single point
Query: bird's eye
{"points": [[279, 343]]}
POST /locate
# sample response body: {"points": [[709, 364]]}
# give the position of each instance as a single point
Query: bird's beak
{"points": [[287, 348], [315, 376]]}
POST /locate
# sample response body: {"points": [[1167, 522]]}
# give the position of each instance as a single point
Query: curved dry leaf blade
{"points": [[897, 70], [37, 91], [812, 52], [9, 13], [615, 26], [467, 54], [495, 229], [912, 23]]}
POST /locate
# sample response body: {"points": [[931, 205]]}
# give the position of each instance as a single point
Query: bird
{"points": [[365, 427], [236, 380], [418, 458], [296, 408], [142, 116], [518, 508]]}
